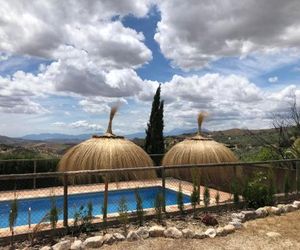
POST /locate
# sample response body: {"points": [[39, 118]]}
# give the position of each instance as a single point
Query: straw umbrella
{"points": [[200, 150], [108, 151]]}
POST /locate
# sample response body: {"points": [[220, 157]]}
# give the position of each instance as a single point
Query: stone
{"points": [[296, 204], [119, 237], [281, 208], [62, 245], [228, 229], [77, 245], [211, 233], [188, 233], [273, 234], [236, 223], [199, 235], [209, 220], [249, 215], [289, 208], [93, 242], [108, 239], [46, 248], [173, 232], [239, 216], [220, 231], [156, 231], [132, 236], [261, 212], [143, 232], [274, 210]]}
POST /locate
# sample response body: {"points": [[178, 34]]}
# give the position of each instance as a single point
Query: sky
{"points": [[63, 64]]}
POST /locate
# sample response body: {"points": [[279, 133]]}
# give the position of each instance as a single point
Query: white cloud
{"points": [[192, 33], [273, 79], [81, 124]]}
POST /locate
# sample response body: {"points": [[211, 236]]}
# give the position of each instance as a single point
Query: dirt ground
{"points": [[252, 236]]}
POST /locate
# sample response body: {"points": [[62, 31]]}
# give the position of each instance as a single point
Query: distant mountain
{"points": [[81, 137]]}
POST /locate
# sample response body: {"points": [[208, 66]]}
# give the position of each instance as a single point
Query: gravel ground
{"points": [[252, 236]]}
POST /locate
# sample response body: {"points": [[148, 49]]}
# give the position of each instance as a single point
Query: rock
{"points": [[261, 212], [46, 248], [211, 233], [236, 223], [296, 204], [239, 216], [143, 232], [273, 234], [289, 208], [108, 239], [132, 236], [249, 215], [93, 242], [220, 231], [77, 245], [62, 245], [173, 232], [188, 233], [228, 229], [119, 237], [209, 220], [199, 235], [156, 231], [274, 210], [281, 208]]}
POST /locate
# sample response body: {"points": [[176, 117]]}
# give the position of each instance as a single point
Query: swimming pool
{"points": [[41, 206]]}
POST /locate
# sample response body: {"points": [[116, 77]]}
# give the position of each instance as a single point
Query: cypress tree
{"points": [[154, 142]]}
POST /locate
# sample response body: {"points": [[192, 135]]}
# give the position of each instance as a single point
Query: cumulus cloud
{"points": [[81, 124], [192, 33], [273, 79]]}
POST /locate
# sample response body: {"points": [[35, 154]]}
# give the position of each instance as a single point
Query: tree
{"points": [[154, 142]]}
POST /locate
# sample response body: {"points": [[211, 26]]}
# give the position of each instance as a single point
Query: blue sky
{"points": [[61, 73]]}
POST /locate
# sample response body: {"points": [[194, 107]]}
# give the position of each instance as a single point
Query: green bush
{"points": [[235, 191], [206, 196], [217, 198], [123, 213], [158, 204], [195, 198], [287, 185], [180, 203], [53, 214], [139, 207], [257, 193]]}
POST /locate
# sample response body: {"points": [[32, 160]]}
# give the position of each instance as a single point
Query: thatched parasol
{"points": [[200, 150], [108, 151]]}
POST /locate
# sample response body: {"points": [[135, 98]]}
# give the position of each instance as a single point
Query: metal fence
{"points": [[102, 195]]}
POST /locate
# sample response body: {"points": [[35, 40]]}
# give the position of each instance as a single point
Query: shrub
{"points": [[158, 204], [180, 203], [139, 207], [256, 192], [206, 196], [53, 214], [13, 215], [83, 218], [235, 191], [123, 213], [195, 198]]}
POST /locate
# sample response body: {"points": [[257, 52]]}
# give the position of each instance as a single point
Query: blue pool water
{"points": [[40, 206]]}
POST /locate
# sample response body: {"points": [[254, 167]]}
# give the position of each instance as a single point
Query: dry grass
{"points": [[253, 236]]}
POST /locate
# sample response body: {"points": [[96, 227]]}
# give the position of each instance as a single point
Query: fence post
{"points": [[34, 171], [105, 198], [163, 179], [65, 200]]}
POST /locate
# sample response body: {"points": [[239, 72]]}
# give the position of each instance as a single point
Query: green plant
{"points": [[287, 185], [53, 213], [206, 196], [82, 219], [235, 191], [158, 204], [256, 192], [139, 207], [195, 198], [180, 203], [271, 188], [123, 213], [13, 215], [217, 198]]}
